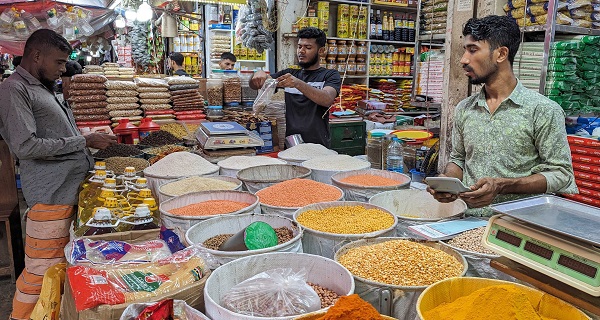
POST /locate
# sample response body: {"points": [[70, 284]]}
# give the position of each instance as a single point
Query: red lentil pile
{"points": [[208, 208], [297, 193], [370, 180]]}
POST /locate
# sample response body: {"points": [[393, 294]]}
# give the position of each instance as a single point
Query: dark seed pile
{"points": [[118, 150], [160, 138]]}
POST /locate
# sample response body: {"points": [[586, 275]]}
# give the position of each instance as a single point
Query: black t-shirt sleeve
{"points": [[332, 79], [280, 73]]}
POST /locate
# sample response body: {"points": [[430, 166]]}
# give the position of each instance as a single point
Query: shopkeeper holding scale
{"points": [[308, 91], [508, 142]]}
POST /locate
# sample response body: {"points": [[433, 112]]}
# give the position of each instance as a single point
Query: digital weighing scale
{"points": [[226, 135], [557, 237]]}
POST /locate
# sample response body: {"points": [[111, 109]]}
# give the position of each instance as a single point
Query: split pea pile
{"points": [[370, 180], [210, 207], [471, 241], [401, 263], [346, 220]]}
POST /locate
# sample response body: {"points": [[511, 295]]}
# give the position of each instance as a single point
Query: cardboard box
{"points": [[267, 131], [192, 294]]}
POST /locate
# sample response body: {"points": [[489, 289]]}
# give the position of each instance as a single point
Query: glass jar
{"points": [[248, 94], [351, 68], [217, 74], [361, 67], [352, 50], [361, 50], [374, 150], [331, 63], [232, 87], [342, 48], [214, 113], [214, 91], [331, 49], [341, 64]]}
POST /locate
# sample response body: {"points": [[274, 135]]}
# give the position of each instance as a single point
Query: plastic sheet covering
{"points": [[479, 265], [277, 292], [164, 196], [181, 224], [182, 311], [321, 271], [257, 178], [327, 244], [395, 301], [361, 193], [207, 229], [287, 212], [414, 207], [232, 172], [451, 289], [116, 285], [91, 252], [101, 19]]}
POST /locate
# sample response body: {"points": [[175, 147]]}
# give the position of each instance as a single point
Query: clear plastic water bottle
{"points": [[395, 156]]}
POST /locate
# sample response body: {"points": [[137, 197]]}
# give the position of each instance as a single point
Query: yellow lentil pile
{"points": [[176, 129], [196, 184], [346, 220], [401, 263]]}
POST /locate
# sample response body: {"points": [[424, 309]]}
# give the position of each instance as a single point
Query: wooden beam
{"points": [[457, 84]]}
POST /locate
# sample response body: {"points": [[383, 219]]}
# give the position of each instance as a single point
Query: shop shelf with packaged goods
{"points": [[220, 38]]}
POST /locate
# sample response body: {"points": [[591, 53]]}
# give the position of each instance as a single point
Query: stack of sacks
{"points": [[88, 100], [122, 101], [433, 17], [154, 98], [187, 101], [111, 70], [93, 69], [126, 73]]}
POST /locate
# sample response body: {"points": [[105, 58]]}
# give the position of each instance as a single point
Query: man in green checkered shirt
{"points": [[508, 142]]}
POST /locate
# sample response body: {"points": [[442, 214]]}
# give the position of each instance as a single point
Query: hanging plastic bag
{"points": [[48, 304], [264, 96], [280, 292]]}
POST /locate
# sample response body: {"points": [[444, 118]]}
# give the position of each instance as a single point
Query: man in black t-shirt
{"points": [[177, 64], [308, 91]]}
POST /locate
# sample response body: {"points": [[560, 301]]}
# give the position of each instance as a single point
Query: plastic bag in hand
{"points": [[278, 292], [264, 96]]}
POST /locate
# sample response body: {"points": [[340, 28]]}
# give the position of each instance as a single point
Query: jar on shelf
{"points": [[248, 94], [361, 67], [214, 113], [341, 64], [232, 87], [214, 91], [217, 74], [331, 49], [352, 50], [361, 50], [342, 48], [331, 64], [351, 67], [374, 150]]}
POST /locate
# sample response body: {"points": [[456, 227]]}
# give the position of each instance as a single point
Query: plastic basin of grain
{"points": [[257, 178], [360, 185], [391, 273], [302, 152], [181, 223], [286, 197], [196, 184], [232, 165], [328, 225], [324, 167]]}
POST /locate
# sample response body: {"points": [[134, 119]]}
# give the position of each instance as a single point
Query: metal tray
{"points": [[556, 214]]}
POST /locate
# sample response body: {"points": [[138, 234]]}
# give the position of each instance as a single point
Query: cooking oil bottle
{"points": [[140, 220], [97, 177], [128, 177], [102, 222], [138, 198], [151, 203], [92, 197], [112, 204]]}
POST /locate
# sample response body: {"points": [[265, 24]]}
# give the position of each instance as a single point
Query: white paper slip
{"points": [[448, 229]]}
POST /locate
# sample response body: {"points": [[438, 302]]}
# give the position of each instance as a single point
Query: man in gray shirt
{"points": [[40, 131]]}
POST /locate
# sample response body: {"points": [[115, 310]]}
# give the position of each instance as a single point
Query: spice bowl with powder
{"points": [[360, 185], [212, 232], [183, 212]]}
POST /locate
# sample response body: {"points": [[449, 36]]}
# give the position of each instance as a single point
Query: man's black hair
{"points": [[228, 56], [313, 33], [73, 68], [17, 61], [177, 58], [498, 31], [45, 39]]}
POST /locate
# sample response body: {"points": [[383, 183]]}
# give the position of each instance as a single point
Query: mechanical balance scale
{"points": [[226, 135], [557, 237]]}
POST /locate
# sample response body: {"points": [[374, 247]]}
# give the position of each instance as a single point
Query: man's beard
{"points": [[49, 84], [312, 62], [482, 79]]}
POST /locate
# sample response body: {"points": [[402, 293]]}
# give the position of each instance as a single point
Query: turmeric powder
{"points": [[507, 302], [351, 307]]}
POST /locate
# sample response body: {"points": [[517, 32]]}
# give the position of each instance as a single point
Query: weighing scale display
{"points": [[577, 266], [540, 251], [509, 238]]}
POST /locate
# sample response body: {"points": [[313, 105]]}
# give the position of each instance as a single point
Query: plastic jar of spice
{"points": [[351, 67], [361, 67], [331, 49], [341, 64], [374, 148], [214, 92], [331, 63], [352, 50], [214, 113], [232, 87], [248, 94], [342, 48], [361, 50]]}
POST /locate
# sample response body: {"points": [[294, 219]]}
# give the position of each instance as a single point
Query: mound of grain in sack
{"points": [[187, 101], [298, 193], [305, 151], [181, 164], [154, 98], [243, 162], [337, 162]]}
